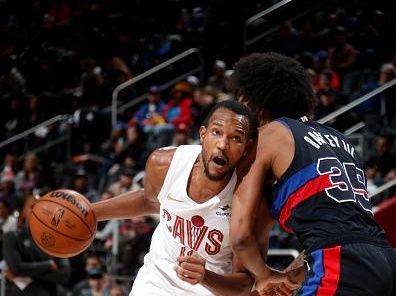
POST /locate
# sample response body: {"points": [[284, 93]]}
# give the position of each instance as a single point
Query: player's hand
{"points": [[277, 284], [191, 269]]}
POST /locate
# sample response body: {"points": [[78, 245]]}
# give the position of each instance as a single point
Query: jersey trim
{"points": [[308, 190], [325, 273]]}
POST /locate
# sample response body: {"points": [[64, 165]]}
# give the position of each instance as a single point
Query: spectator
{"points": [[124, 183], [178, 109], [28, 178], [181, 135], [7, 223], [96, 282], [31, 272], [133, 154], [150, 117], [217, 80], [343, 55], [81, 185], [150, 114], [8, 192], [385, 159]]}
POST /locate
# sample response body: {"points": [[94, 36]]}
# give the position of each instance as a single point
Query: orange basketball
{"points": [[62, 223]]}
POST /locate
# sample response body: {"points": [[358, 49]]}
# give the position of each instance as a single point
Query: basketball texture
{"points": [[62, 223]]}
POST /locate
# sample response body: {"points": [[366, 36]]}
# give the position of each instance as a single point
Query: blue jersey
{"points": [[322, 196]]}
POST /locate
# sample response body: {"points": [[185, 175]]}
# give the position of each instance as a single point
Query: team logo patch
{"points": [[224, 211]]}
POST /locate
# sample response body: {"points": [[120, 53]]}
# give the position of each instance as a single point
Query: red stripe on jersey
{"points": [[306, 191], [331, 266]]}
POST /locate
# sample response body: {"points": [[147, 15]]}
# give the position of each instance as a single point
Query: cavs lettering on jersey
{"points": [[186, 227], [323, 193]]}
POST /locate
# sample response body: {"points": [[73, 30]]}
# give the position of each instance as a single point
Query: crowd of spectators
{"points": [[66, 57]]}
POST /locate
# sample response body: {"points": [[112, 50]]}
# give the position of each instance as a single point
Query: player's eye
{"points": [[215, 132], [236, 139]]}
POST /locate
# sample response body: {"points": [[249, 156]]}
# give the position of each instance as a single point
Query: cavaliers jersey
{"points": [[185, 228], [322, 196]]}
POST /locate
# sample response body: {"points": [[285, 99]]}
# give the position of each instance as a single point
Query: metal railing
{"points": [[255, 18], [62, 138], [259, 18], [32, 130], [115, 109], [357, 102], [283, 252], [383, 188]]}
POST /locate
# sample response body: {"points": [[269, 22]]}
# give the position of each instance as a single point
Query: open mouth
{"points": [[220, 160]]}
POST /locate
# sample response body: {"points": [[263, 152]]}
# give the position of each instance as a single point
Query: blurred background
{"points": [[89, 88]]}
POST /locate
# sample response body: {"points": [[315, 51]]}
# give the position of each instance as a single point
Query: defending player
{"points": [[191, 187], [319, 189]]}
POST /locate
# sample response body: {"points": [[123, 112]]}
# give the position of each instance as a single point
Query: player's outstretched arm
{"points": [[140, 202], [192, 269]]}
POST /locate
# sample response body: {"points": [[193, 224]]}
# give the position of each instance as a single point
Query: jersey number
{"points": [[348, 182]]}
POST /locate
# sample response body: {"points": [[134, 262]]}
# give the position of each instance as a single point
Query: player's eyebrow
{"points": [[239, 129]]}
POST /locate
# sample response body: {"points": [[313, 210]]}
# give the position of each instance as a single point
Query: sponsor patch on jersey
{"points": [[224, 211]]}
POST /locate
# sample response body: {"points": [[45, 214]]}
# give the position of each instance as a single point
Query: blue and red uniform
{"points": [[322, 199]]}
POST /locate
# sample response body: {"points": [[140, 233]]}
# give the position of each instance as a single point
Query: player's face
{"points": [[224, 142]]}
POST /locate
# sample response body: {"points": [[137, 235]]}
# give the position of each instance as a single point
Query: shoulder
{"points": [[159, 161], [273, 131], [162, 156]]}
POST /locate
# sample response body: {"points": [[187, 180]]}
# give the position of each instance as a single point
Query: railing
{"points": [[383, 188], [32, 130], [260, 18], [115, 109], [357, 102], [56, 119], [257, 17]]}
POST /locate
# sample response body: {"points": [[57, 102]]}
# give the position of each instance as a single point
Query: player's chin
{"points": [[217, 176]]}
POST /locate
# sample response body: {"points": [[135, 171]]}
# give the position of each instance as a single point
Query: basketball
{"points": [[62, 223]]}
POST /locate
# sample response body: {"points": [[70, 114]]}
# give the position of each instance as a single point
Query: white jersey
{"points": [[186, 227]]}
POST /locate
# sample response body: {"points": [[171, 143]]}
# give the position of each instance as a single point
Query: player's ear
{"points": [[202, 133]]}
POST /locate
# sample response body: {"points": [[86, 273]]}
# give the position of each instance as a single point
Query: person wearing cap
{"points": [[217, 80], [150, 112], [81, 185], [150, 117], [178, 109]]}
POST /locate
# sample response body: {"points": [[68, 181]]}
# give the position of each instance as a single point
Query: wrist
{"points": [[205, 277]]}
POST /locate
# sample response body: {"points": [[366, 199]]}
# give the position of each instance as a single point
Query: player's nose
{"points": [[222, 143]]}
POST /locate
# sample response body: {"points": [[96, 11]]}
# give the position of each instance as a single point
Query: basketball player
{"points": [[191, 187], [319, 188]]}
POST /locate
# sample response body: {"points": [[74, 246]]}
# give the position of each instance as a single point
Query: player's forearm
{"points": [[232, 284], [247, 249], [128, 205]]}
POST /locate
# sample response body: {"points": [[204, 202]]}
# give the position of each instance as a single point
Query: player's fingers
{"points": [[291, 285], [185, 278], [198, 257], [284, 289], [280, 292], [192, 259], [196, 267], [189, 276]]}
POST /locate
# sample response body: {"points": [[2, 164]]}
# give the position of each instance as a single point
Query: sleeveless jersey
{"points": [[186, 227], [322, 196]]}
